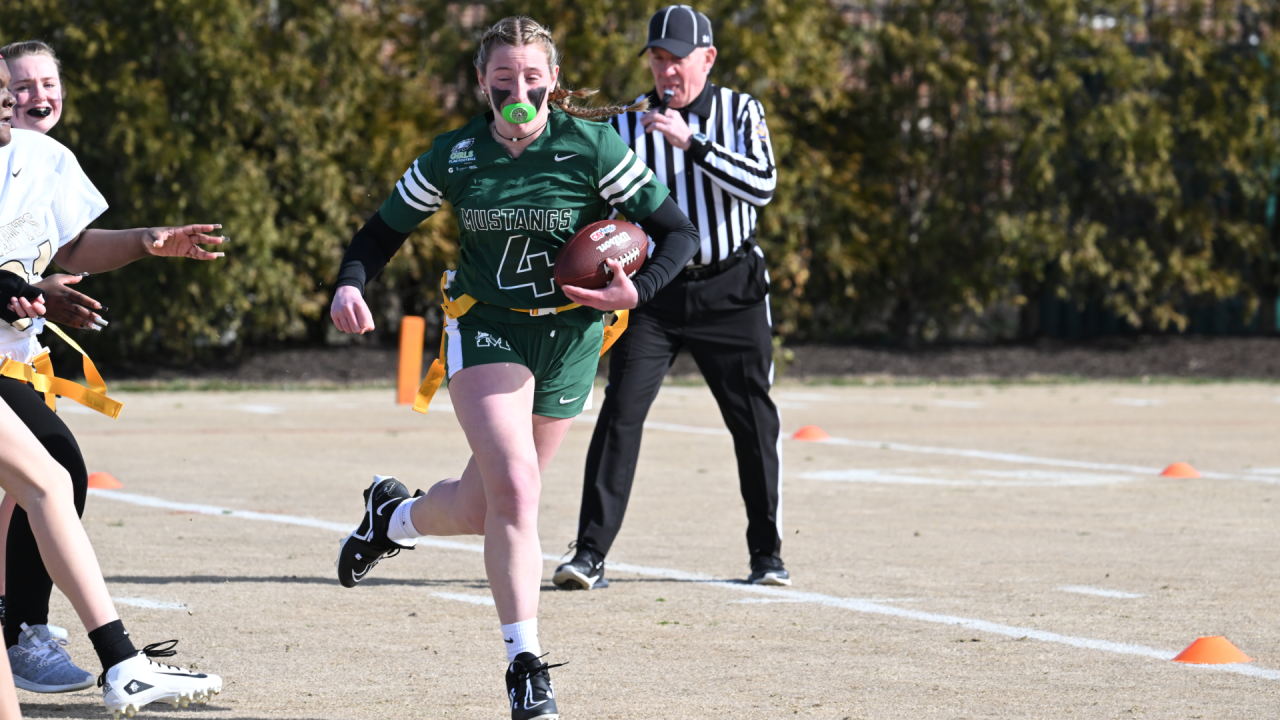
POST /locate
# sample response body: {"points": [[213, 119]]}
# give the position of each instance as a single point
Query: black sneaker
{"points": [[369, 544], [768, 570], [529, 688], [584, 572]]}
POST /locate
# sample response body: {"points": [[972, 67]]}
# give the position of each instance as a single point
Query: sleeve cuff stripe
{"points": [[622, 184], [411, 202], [423, 182], [412, 185], [630, 157], [636, 188]]}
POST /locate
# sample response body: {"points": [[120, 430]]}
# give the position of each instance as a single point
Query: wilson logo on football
{"points": [[602, 233], [621, 238]]}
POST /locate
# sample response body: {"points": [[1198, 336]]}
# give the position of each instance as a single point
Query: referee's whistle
{"points": [[666, 100]]}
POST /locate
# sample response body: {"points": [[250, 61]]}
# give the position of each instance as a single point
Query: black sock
{"points": [[112, 643]]}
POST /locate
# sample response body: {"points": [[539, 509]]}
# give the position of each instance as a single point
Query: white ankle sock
{"points": [[521, 637], [401, 529]]}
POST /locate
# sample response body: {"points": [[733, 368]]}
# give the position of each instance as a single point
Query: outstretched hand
{"points": [[183, 241], [66, 306], [349, 312], [619, 294]]}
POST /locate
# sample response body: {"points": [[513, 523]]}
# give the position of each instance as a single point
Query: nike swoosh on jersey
{"points": [[566, 402], [566, 157], [15, 172]]}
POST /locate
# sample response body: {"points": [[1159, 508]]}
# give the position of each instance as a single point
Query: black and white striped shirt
{"points": [[720, 189]]}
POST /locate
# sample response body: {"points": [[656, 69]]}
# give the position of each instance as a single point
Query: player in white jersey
{"points": [[37, 86], [46, 204]]}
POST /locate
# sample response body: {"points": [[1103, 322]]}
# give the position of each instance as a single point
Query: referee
{"points": [[710, 146]]}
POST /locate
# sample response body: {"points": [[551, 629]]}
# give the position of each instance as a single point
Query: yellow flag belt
{"points": [[40, 374], [459, 307]]}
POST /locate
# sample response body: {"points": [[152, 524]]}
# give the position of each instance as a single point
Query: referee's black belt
{"points": [[702, 272]]}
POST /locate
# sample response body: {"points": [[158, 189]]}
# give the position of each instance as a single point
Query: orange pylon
{"points": [[1215, 650], [104, 481], [811, 433], [1180, 470], [409, 374]]}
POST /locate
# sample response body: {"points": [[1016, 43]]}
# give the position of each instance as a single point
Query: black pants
{"points": [[27, 583], [724, 322]]}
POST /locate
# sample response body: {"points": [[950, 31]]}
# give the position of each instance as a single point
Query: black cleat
{"points": [[368, 544], [529, 689], [768, 570], [584, 572]]}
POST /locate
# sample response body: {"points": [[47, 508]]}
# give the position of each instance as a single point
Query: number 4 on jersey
{"points": [[520, 270]]}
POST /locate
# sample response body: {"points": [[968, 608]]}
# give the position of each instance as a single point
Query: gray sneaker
{"points": [[41, 664]]}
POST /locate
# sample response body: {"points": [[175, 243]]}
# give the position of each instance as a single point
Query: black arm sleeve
{"points": [[12, 286], [371, 249], [675, 242]]}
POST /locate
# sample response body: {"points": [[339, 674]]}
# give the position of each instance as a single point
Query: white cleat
{"points": [[132, 684]]}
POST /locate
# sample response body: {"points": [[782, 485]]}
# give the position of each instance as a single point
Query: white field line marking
{"points": [[963, 404], [461, 597], [961, 452], [148, 603], [1136, 402], [260, 409], [766, 601], [864, 606], [948, 478], [1100, 592]]}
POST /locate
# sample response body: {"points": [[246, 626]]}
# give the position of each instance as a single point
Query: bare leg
{"points": [[8, 693], [43, 488], [498, 493], [6, 512], [457, 506]]}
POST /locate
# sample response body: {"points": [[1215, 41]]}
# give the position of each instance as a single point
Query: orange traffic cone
{"points": [[1180, 470], [811, 433], [104, 481], [1212, 651]]}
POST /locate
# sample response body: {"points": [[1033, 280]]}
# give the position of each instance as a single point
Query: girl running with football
{"points": [[520, 351]]}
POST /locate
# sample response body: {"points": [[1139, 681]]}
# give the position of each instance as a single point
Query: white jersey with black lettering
{"points": [[46, 200]]}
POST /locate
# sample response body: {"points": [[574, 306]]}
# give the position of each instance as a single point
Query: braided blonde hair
{"points": [[520, 30]]}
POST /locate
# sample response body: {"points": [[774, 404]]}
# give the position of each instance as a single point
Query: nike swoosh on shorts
{"points": [[566, 402], [566, 157]]}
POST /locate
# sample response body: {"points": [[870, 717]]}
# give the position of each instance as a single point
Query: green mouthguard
{"points": [[519, 113]]}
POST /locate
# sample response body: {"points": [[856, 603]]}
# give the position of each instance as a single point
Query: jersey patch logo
{"points": [[762, 131], [462, 152], [484, 340]]}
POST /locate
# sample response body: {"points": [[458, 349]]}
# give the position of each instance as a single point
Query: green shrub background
{"points": [[943, 164]]}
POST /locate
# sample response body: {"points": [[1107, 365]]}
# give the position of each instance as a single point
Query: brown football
{"points": [[580, 262]]}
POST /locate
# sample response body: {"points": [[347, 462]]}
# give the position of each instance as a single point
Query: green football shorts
{"points": [[563, 360]]}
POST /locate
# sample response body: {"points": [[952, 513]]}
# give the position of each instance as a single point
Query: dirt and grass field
{"points": [[959, 551]]}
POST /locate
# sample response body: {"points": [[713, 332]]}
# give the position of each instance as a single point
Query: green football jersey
{"points": [[514, 215]]}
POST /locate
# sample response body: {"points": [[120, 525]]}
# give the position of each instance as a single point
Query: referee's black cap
{"points": [[678, 29]]}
